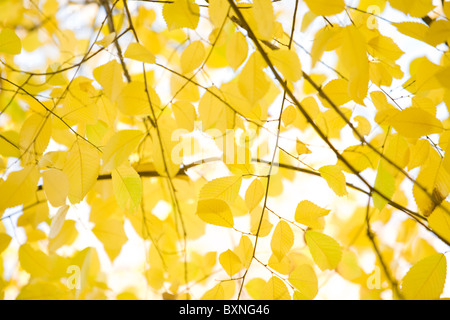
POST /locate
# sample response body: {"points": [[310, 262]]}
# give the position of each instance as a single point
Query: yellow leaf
{"points": [[254, 194], [301, 148], [4, 241], [325, 251], [215, 293], [439, 220], [81, 168], [244, 251], [230, 262], [137, 51], [326, 7], [348, 267], [260, 224], [435, 178], [282, 239], [264, 16], [335, 179], [426, 279], [9, 42], [45, 290], [111, 233], [237, 50], [414, 123], [418, 8], [384, 48], [289, 114], [353, 57], [255, 288], [304, 279], [34, 137], [79, 105], [181, 14], [185, 114], [225, 188], [218, 10], [216, 212], [110, 77], [183, 89], [133, 99], [321, 42], [127, 187], [56, 186], [66, 236], [438, 32], [385, 184], [337, 91], [364, 126], [35, 262], [310, 214], [107, 40], [275, 289], [252, 81], [288, 63], [58, 221], [414, 30], [119, 148], [192, 56], [19, 187], [9, 144]]}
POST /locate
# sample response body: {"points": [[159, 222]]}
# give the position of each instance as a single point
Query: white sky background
{"points": [[122, 274]]}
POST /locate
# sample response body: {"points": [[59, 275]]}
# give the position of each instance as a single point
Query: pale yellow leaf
{"points": [[56, 186], [193, 56], [58, 221], [127, 187], [224, 188], [181, 14], [119, 148], [311, 215], [137, 51], [289, 114], [426, 279], [254, 194], [325, 251], [110, 77], [282, 239], [237, 50], [216, 212], [335, 179], [9, 42], [288, 63], [81, 168], [111, 233], [275, 289], [304, 279], [217, 10], [414, 123], [230, 262], [326, 7], [34, 261], [264, 16]]}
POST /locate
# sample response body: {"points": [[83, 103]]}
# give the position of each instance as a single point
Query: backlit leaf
{"points": [[304, 279], [325, 251], [282, 239], [216, 212], [230, 262], [335, 179], [425, 280]]}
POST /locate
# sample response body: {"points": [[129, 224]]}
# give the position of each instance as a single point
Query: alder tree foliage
{"points": [[222, 149]]}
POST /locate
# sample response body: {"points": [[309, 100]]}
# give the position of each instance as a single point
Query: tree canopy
{"points": [[223, 149]]}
